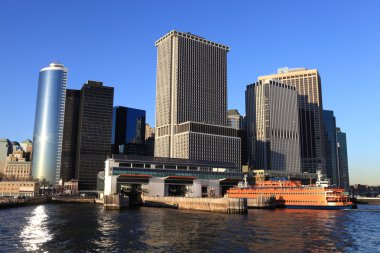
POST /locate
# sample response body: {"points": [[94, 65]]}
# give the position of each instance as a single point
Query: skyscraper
{"points": [[331, 145], [191, 100], [272, 126], [48, 124], [128, 131], [5, 150], [70, 135], [308, 86], [94, 132], [343, 159]]}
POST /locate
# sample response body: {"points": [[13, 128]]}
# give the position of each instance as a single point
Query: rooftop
{"points": [[193, 37], [233, 112], [287, 70]]}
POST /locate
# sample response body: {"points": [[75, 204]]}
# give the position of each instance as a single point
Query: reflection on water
{"points": [[88, 228], [35, 232], [107, 229]]}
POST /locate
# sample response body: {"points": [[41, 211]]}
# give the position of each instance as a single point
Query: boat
{"points": [[292, 194]]}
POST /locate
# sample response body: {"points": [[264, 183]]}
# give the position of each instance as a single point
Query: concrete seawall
{"points": [[72, 200], [12, 202], [261, 202], [220, 205]]}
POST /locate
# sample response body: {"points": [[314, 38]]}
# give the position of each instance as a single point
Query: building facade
{"points": [[128, 131], [94, 132], [19, 188], [272, 125], [331, 147], [191, 94], [343, 159], [48, 124], [308, 86], [18, 171]]}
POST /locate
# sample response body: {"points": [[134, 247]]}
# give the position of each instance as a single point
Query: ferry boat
{"points": [[292, 194]]}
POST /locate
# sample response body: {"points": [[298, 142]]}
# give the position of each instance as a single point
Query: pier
{"points": [[115, 202]]}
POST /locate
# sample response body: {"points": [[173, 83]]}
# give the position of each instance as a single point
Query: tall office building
{"points": [[331, 145], [128, 131], [343, 159], [191, 100], [48, 124], [27, 146], [308, 86], [272, 125], [70, 135], [94, 132], [5, 150], [235, 120]]}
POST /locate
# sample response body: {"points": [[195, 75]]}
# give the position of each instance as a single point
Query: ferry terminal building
{"points": [[156, 176]]}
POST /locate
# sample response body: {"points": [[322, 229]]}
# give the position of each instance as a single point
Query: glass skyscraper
{"points": [[128, 130], [332, 169], [343, 159], [48, 123]]}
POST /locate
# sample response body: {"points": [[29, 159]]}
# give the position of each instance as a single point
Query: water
{"points": [[88, 228]]}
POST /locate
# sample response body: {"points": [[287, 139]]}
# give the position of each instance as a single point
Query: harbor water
{"points": [[89, 228]]}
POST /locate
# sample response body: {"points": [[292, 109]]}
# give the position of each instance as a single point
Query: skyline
{"points": [[344, 49]]}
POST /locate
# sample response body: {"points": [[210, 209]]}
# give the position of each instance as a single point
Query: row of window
{"points": [[294, 193]]}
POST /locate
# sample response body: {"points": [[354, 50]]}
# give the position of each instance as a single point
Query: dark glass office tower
{"points": [[331, 147], [94, 132], [70, 134], [128, 131], [343, 159]]}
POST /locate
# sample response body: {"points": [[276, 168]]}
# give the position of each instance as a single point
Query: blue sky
{"points": [[113, 42]]}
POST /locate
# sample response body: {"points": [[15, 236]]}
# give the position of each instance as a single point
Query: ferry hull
{"points": [[320, 207]]}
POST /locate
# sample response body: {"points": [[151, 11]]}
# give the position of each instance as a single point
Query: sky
{"points": [[113, 42]]}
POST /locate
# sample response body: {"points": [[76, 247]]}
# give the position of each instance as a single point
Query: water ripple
{"points": [[88, 228]]}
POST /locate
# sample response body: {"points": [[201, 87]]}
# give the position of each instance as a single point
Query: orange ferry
{"points": [[292, 194]]}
